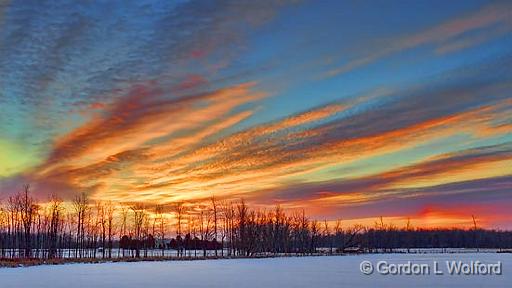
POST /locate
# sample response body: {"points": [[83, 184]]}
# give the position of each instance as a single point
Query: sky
{"points": [[350, 110]]}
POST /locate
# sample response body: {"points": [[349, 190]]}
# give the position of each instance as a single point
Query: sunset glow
{"points": [[341, 113]]}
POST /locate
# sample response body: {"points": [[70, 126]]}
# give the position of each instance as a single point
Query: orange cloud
{"points": [[97, 105], [142, 116], [150, 147]]}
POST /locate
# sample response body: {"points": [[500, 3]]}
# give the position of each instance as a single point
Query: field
{"points": [[324, 271]]}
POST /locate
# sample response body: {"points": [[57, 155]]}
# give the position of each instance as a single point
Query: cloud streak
{"points": [[491, 21], [164, 102], [149, 147]]}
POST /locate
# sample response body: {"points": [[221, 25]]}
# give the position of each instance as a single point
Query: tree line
{"points": [[96, 229]]}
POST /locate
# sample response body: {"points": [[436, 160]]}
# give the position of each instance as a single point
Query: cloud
{"points": [[144, 115], [4, 4], [489, 22], [56, 58], [428, 206], [467, 41], [403, 182], [154, 146], [152, 103]]}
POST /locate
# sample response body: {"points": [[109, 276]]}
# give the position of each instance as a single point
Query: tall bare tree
{"points": [[139, 216], [27, 213], [80, 205], [214, 215]]}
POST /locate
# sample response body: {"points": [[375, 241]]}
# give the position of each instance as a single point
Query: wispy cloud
{"points": [[399, 182], [172, 101], [56, 59], [149, 147], [491, 21]]}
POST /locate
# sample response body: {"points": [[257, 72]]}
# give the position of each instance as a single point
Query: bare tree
{"points": [[28, 208], [242, 215], [101, 220], [139, 215], [160, 218], [80, 205], [214, 215], [55, 225], [49, 231], [179, 211], [110, 210], [475, 233], [124, 228], [315, 230]]}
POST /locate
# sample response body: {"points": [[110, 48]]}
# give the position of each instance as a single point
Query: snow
{"points": [[324, 271]]}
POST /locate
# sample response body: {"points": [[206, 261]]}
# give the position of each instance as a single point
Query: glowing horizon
{"points": [[347, 110]]}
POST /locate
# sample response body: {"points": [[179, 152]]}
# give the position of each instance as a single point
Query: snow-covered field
{"points": [[334, 271]]}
